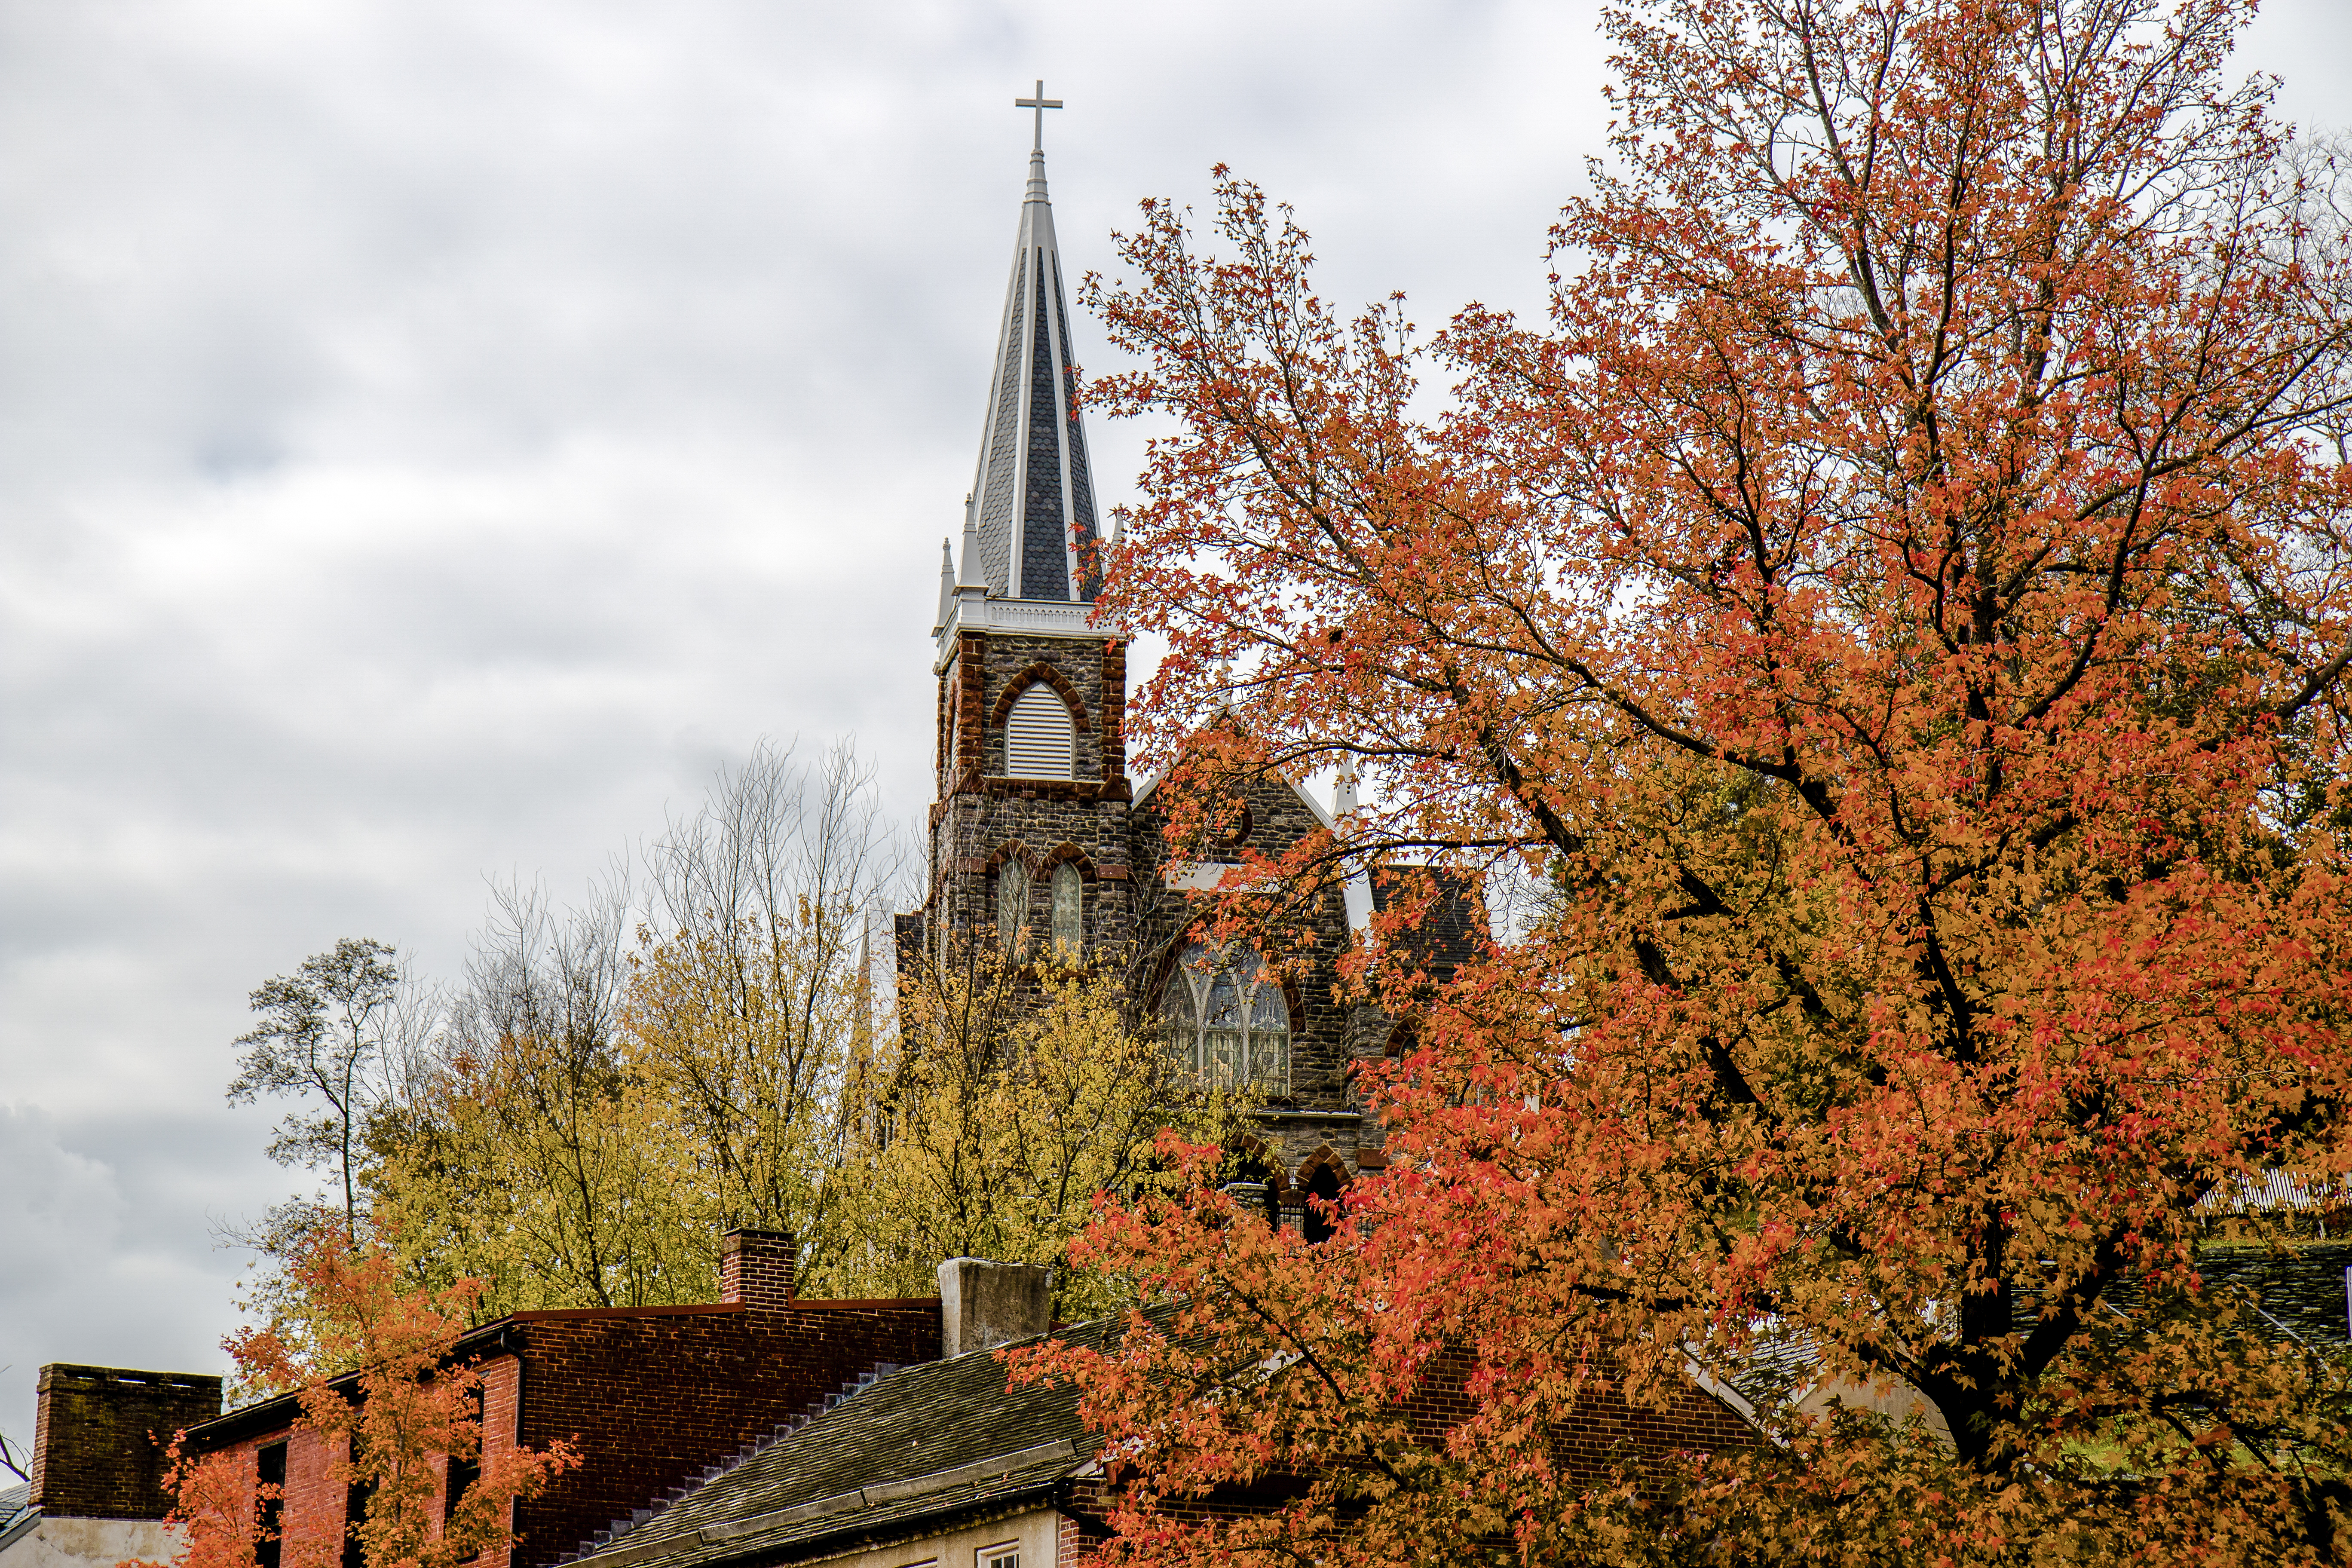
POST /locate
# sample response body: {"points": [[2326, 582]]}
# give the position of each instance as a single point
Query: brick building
{"points": [[654, 1397], [945, 1466], [95, 1492]]}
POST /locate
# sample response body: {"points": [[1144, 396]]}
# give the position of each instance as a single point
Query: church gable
{"points": [[1318, 1101]]}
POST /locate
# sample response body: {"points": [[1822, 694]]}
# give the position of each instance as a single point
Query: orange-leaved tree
{"points": [[1890, 625], [408, 1415], [217, 1506]]}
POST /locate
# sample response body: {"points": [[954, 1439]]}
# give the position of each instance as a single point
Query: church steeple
{"points": [[1031, 514], [1038, 845]]}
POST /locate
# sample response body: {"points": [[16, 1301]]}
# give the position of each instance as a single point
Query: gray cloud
{"points": [[434, 436]]}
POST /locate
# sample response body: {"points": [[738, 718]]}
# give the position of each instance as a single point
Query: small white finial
{"points": [[1343, 801], [946, 587], [970, 577]]}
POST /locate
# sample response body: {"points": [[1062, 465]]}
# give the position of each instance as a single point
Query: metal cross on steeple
{"points": [[1041, 103]]}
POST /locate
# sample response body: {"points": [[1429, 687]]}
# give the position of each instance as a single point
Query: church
{"points": [[1037, 825]]}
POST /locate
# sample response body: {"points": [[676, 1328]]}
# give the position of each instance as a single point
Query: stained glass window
{"points": [[1069, 908], [1011, 903]]}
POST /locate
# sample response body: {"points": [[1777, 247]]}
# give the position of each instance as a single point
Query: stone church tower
{"points": [[1036, 826], [1030, 823]]}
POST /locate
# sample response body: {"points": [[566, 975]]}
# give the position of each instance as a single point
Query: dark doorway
{"points": [[1322, 1205], [267, 1552]]}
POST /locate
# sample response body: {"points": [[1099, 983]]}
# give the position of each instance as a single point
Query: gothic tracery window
{"points": [[1224, 1019]]}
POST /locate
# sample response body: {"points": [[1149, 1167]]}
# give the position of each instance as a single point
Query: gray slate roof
{"points": [[18, 1513], [2302, 1298], [1030, 519], [930, 1441]]}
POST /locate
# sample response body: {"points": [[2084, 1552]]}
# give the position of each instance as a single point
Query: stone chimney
{"points": [[100, 1436], [755, 1268], [985, 1304]]}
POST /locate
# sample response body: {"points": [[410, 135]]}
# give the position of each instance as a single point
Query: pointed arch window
{"points": [[1069, 909], [1011, 904], [1040, 738], [1224, 1019]]}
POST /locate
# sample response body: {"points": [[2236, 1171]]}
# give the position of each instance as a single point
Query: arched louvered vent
{"points": [[1039, 741]]}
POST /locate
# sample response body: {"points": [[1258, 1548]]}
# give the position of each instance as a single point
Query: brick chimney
{"points": [[755, 1267], [100, 1436]]}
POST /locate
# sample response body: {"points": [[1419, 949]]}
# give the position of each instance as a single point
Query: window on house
{"points": [[1040, 741], [1011, 904], [355, 1506], [1225, 1019], [462, 1473], [270, 1517], [998, 1557], [1069, 909]]}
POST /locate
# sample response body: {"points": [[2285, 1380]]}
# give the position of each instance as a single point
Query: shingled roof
{"points": [[18, 1513], [911, 1449]]}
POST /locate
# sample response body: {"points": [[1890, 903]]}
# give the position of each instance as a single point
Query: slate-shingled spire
{"points": [[1032, 509]]}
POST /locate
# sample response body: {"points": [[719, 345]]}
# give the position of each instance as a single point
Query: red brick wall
{"points": [[1605, 1428], [1072, 1545], [653, 1396], [245, 1452], [310, 1527], [501, 1412], [649, 1396]]}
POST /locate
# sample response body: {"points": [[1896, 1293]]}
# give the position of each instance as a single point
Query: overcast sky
{"points": [[435, 435]]}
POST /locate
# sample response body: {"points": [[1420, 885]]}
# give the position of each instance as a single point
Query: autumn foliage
{"points": [[1014, 1090], [1889, 627], [394, 1426]]}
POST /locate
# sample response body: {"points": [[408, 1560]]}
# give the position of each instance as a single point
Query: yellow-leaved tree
{"points": [[536, 1157], [1016, 1090], [603, 1104], [612, 1087], [749, 991]]}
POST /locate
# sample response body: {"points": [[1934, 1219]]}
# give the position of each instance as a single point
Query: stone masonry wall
{"points": [[985, 818], [1325, 1038]]}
